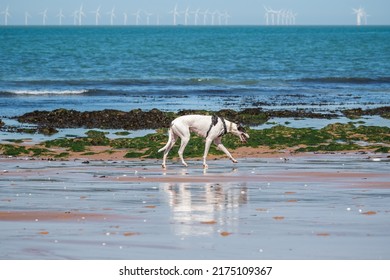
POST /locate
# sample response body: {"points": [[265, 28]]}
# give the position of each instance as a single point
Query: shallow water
{"points": [[319, 207]]}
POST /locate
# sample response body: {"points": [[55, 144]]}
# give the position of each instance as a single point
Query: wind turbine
{"points": [[271, 14], [112, 15], [124, 18], [293, 18], [196, 16], [226, 16], [220, 15], [74, 15], [97, 15], [44, 16], [278, 13], [6, 15], [137, 17], [213, 17], [158, 19], [365, 15], [267, 14], [357, 12], [175, 13], [283, 17], [148, 15], [360, 14], [205, 13], [26, 16], [186, 15], [80, 14], [61, 16]]}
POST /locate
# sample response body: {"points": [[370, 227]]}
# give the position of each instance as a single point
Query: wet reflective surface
{"points": [[318, 207]]}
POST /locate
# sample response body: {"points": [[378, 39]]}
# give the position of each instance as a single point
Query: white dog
{"points": [[210, 127]]}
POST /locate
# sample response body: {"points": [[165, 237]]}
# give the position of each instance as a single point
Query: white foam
{"points": [[48, 92]]}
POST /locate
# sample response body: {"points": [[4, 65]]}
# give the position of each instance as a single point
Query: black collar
{"points": [[224, 128]]}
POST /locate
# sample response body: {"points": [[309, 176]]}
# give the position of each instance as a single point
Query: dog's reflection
{"points": [[203, 209]]}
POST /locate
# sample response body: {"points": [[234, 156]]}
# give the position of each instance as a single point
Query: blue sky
{"points": [[309, 12]]}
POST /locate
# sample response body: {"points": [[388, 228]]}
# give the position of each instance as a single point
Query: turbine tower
{"points": [[74, 15], [97, 15], [213, 17], [61, 16], [273, 13], [124, 18], [137, 17], [196, 16], [148, 15], [112, 15], [6, 14], [44, 16], [26, 17], [80, 14], [226, 16], [205, 13], [268, 12], [186, 15], [360, 14], [175, 13]]}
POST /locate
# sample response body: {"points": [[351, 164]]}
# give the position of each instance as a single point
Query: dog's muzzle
{"points": [[244, 137]]}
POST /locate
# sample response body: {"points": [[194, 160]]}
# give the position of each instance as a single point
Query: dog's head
{"points": [[239, 131]]}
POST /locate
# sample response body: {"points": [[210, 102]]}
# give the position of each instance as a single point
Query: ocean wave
{"points": [[347, 80], [44, 92]]}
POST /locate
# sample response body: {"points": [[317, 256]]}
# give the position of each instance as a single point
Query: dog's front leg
{"points": [[221, 147], [206, 151]]}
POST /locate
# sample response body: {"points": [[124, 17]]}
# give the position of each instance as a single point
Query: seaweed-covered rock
{"points": [[105, 119], [300, 114], [384, 112], [353, 113], [250, 116], [47, 130]]}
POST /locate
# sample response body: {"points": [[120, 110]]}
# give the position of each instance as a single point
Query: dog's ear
{"points": [[240, 127]]}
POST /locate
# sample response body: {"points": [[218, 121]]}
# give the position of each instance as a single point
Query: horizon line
{"points": [[183, 25]]}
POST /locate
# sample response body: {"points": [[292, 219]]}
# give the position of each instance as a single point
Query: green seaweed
{"points": [[97, 138], [62, 155], [333, 137], [36, 151], [73, 144], [13, 150]]}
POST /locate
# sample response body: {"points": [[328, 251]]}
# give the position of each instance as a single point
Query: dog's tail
{"points": [[170, 136]]}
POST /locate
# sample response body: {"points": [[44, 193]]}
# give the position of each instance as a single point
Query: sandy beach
{"points": [[311, 206]]}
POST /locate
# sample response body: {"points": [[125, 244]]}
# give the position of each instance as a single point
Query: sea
{"points": [[173, 68]]}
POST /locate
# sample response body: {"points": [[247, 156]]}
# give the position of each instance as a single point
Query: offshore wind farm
{"points": [[182, 16], [178, 14]]}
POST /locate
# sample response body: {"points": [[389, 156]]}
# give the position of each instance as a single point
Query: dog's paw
{"points": [[234, 160], [205, 166]]}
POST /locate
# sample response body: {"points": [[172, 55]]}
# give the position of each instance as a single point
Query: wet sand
{"points": [[302, 207]]}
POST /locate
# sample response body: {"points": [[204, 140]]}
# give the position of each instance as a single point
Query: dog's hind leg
{"points": [[171, 142], [183, 144], [184, 135]]}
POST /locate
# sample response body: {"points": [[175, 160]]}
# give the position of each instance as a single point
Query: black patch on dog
{"points": [[241, 128], [214, 120]]}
